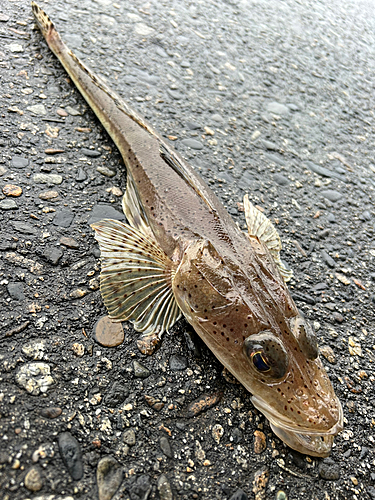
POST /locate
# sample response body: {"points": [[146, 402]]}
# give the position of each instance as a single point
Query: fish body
{"points": [[182, 253]]}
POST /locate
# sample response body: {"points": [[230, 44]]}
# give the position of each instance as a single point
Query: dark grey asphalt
{"points": [[270, 98]]}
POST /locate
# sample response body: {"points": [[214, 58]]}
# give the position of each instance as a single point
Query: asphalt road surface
{"points": [[271, 98]]}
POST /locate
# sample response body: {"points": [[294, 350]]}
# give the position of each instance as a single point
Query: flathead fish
{"points": [[181, 253]]}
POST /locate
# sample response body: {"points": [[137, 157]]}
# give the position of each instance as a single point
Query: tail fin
{"points": [[44, 23]]}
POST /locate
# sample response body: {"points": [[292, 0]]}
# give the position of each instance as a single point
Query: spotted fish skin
{"points": [[181, 253]]}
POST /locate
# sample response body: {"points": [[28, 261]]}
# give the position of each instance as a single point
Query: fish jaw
{"points": [[316, 444]]}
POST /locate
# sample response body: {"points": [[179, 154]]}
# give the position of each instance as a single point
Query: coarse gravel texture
{"points": [[267, 97]]}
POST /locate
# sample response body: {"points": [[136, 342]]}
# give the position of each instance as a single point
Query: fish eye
{"points": [[260, 361], [267, 355], [305, 335]]}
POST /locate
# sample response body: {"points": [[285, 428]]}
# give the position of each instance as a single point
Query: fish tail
{"points": [[44, 23], [93, 88]]}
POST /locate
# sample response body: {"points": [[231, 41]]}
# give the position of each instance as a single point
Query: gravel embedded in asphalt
{"points": [[269, 98]]}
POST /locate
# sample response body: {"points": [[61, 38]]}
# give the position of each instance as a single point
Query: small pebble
{"points": [[203, 403], [239, 495], [47, 178], [70, 451], [148, 343], [329, 469], [16, 291], [35, 377], [328, 259], [217, 118], [175, 95], [192, 143], [129, 437], [106, 171], [155, 403], [281, 180], [78, 293], [281, 495], [141, 488], [91, 153], [81, 175], [69, 242], [19, 162], [37, 109], [24, 228], [116, 395], [164, 488], [140, 371], [48, 195], [61, 112], [177, 362], [193, 126], [8, 204], [33, 479], [217, 432], [271, 146], [109, 476], [237, 435], [328, 353], [143, 30], [52, 255], [51, 412], [78, 349], [331, 195], [63, 218], [108, 333], [72, 111], [12, 190], [338, 318], [116, 191], [102, 211], [166, 447], [277, 108], [324, 172], [260, 443]]}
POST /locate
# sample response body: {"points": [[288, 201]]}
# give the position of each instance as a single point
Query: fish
{"points": [[181, 254]]}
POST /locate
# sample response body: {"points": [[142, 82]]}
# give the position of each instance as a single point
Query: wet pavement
{"points": [[268, 98]]}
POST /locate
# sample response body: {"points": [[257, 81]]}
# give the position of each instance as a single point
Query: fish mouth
{"points": [[304, 440]]}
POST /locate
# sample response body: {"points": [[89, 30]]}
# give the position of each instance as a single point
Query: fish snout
{"points": [[312, 433]]}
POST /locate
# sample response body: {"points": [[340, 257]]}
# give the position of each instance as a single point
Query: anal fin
{"points": [[135, 279], [260, 226]]}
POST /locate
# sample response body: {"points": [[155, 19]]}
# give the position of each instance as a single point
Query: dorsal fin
{"points": [[133, 208], [260, 226]]}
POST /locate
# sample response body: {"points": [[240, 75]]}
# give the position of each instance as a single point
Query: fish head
{"points": [[250, 322]]}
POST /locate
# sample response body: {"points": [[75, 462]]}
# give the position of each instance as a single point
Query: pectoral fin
{"points": [[135, 280], [258, 225]]}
